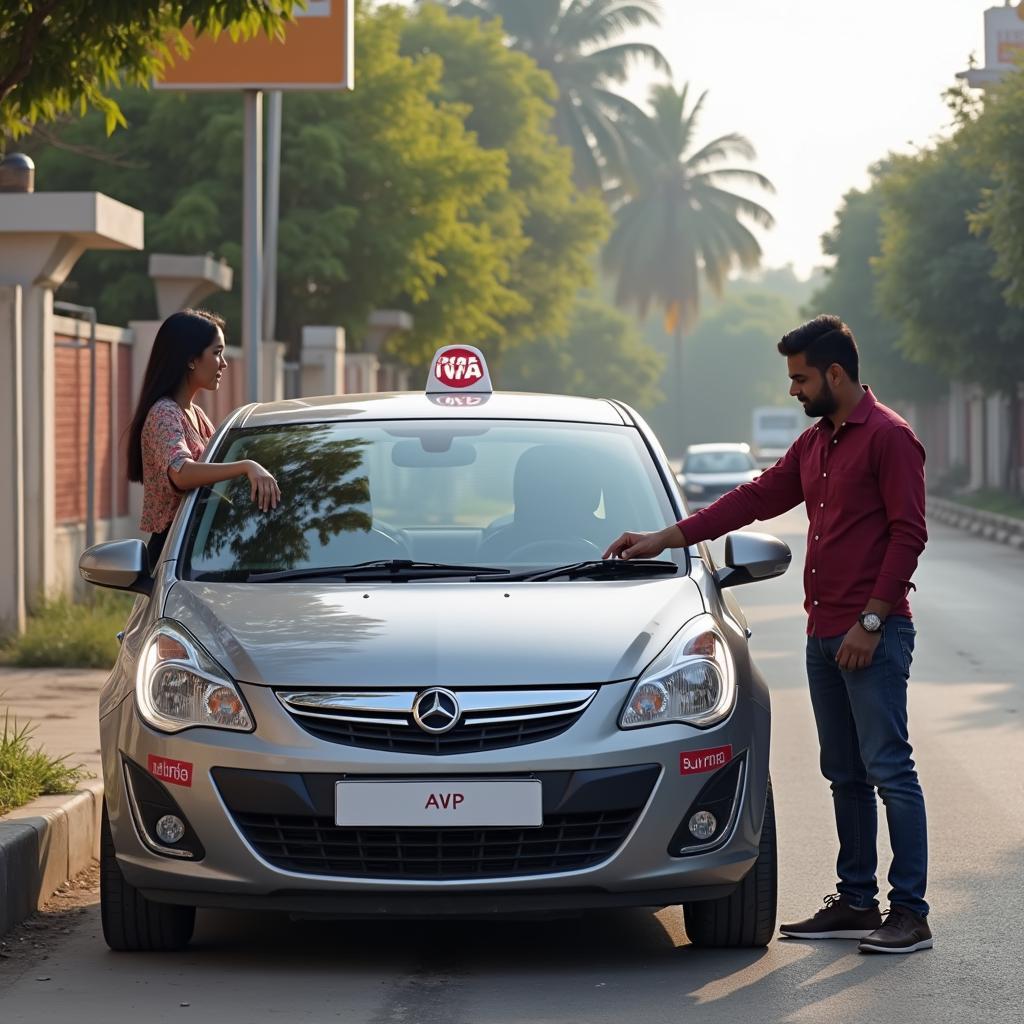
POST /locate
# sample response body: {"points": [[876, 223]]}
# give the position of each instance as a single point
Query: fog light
{"points": [[170, 828], [702, 825]]}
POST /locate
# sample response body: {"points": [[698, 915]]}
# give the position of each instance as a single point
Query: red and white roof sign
{"points": [[458, 368]]}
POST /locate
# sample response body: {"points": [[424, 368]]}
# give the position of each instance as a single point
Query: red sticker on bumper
{"points": [[178, 773], [691, 762]]}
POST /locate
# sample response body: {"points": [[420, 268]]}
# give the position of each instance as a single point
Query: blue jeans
{"points": [[862, 732]]}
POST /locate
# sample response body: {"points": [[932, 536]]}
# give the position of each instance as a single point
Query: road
{"points": [[967, 711]]}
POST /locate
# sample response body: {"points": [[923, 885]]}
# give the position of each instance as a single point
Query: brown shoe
{"points": [[836, 920]]}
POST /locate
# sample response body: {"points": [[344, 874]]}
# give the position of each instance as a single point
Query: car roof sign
{"points": [[459, 369]]}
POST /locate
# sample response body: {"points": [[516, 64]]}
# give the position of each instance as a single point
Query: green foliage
{"points": [[26, 773], [850, 290], [600, 356], [508, 100], [999, 502], [578, 43], [62, 56], [400, 194], [997, 145], [71, 634], [935, 278]]}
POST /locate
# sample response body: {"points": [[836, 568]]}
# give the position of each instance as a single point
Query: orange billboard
{"points": [[317, 53]]}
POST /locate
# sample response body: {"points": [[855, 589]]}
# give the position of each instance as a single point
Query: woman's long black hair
{"points": [[182, 337]]}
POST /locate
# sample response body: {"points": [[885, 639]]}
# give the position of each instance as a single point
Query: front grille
{"points": [[314, 845], [487, 720]]}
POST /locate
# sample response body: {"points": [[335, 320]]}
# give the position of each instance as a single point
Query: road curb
{"points": [[988, 525], [42, 845]]}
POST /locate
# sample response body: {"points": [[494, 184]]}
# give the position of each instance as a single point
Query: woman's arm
{"points": [[263, 487]]}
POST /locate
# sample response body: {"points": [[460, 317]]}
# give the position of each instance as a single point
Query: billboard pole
{"points": [[270, 214], [252, 243]]}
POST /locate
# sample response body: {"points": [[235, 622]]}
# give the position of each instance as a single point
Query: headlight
{"points": [[178, 685], [694, 488], [693, 681]]}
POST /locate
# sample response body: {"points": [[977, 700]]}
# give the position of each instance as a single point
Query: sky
{"points": [[823, 89]]}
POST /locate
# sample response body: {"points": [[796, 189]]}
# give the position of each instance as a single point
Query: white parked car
{"points": [[710, 470]]}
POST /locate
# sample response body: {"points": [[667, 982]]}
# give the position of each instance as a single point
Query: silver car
{"points": [[711, 470], [416, 688]]}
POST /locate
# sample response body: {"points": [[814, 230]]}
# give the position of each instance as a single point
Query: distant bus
{"points": [[774, 429]]}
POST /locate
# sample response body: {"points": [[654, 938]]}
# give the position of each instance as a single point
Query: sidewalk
{"points": [[51, 839]]}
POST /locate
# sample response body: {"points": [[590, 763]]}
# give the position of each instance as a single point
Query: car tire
{"points": [[746, 917], [132, 923]]}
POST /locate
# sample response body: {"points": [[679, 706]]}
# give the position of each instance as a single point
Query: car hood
{"points": [[426, 634]]}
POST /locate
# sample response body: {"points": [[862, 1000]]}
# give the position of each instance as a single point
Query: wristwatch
{"points": [[870, 622]]}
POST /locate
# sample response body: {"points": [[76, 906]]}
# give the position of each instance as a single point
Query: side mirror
{"points": [[750, 557], [118, 564]]}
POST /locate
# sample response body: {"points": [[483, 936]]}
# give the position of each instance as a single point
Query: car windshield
{"points": [[485, 493], [718, 462]]}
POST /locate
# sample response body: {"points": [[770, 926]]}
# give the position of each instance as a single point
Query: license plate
{"points": [[512, 802]]}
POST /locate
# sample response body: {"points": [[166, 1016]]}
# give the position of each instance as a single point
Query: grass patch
{"points": [[1001, 502], [26, 773], [69, 634]]}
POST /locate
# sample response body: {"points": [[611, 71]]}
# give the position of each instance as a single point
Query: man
{"points": [[860, 472]]}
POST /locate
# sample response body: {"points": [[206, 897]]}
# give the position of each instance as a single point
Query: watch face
{"points": [[872, 623]]}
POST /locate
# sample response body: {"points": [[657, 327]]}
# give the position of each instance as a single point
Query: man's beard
{"points": [[824, 403]]}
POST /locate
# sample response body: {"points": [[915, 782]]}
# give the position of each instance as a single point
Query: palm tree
{"points": [[574, 41], [675, 221]]}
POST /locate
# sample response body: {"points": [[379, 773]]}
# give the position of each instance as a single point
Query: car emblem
{"points": [[436, 710]]}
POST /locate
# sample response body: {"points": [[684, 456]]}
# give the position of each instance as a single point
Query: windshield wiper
{"points": [[597, 567], [376, 569]]}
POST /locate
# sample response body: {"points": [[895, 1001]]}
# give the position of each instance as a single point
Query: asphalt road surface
{"points": [[967, 712]]}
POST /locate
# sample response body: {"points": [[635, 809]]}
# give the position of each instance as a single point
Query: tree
{"points": [[58, 56], [678, 223], [508, 103], [386, 199], [850, 291], [395, 195], [997, 143], [936, 278], [600, 356], [576, 42]]}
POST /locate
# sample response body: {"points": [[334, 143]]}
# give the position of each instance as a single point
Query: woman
{"points": [[168, 434]]}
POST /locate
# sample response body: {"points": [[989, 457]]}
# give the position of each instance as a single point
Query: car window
{"points": [[465, 492], [718, 462]]}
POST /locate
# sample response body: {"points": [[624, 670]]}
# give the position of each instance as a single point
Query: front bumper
{"points": [[240, 783]]}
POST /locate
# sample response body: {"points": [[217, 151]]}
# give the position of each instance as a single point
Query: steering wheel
{"points": [[578, 548]]}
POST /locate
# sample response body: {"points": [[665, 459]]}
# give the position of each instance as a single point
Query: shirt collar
{"points": [[861, 411]]}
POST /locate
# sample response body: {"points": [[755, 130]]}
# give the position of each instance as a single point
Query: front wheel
{"points": [[132, 923], [746, 917]]}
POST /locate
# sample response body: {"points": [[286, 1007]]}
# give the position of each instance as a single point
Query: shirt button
{"points": [[813, 571], [822, 505], [824, 474], [815, 604], [835, 442], [815, 536]]}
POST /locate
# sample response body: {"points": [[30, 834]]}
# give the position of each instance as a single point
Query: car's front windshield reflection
{"points": [[499, 493]]}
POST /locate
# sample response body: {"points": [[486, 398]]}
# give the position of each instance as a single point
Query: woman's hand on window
{"points": [[263, 487]]}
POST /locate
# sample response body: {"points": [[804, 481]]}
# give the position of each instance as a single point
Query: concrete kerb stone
{"points": [[43, 844], [991, 526]]}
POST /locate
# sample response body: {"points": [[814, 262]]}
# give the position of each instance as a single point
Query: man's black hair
{"points": [[824, 340]]}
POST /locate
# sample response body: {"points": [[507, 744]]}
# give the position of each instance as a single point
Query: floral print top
{"points": [[168, 438]]}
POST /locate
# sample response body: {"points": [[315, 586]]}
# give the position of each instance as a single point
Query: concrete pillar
{"points": [[361, 373], [957, 424], [976, 455], [42, 235], [272, 376], [997, 436], [12, 509], [184, 281], [323, 361]]}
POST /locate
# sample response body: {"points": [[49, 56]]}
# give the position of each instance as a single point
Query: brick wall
{"points": [[71, 428]]}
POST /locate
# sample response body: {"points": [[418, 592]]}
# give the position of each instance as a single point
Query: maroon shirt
{"points": [[863, 485]]}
